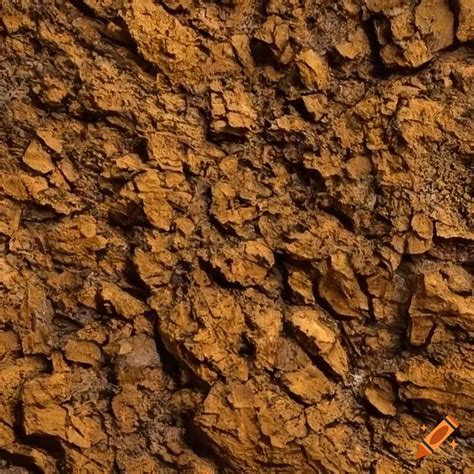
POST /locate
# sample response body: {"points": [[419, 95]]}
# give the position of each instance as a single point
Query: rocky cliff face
{"points": [[235, 236]]}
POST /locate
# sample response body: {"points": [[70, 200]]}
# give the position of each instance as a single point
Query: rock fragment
{"points": [[356, 45], [313, 70], [123, 303], [154, 268], [52, 412], [310, 385], [422, 381], [420, 240], [246, 210], [409, 37], [10, 217], [50, 139], [157, 210], [380, 394], [37, 158], [316, 105], [275, 35], [339, 286], [302, 285], [84, 352], [245, 409], [443, 296], [435, 21], [248, 264], [320, 335], [465, 30], [232, 112]]}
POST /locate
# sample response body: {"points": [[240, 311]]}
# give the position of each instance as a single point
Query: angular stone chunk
{"points": [[301, 285], [136, 355], [10, 217], [380, 394], [167, 42], [420, 239], [340, 288], [289, 123], [50, 139], [84, 352], [124, 303], [248, 264], [76, 236], [232, 112], [435, 20], [49, 420], [53, 405], [84, 432], [8, 342], [357, 45], [316, 105], [166, 150], [208, 332], [409, 37], [7, 436], [448, 383], [157, 210], [275, 34], [443, 295], [422, 225], [465, 31], [36, 313], [320, 335], [238, 417], [313, 69], [309, 384], [37, 158], [154, 268]]}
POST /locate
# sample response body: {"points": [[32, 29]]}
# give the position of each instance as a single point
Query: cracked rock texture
{"points": [[235, 236]]}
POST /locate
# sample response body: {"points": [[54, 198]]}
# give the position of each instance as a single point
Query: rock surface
{"points": [[235, 236]]}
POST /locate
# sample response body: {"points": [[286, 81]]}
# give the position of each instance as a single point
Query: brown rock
{"points": [[185, 185], [248, 264], [124, 303], [308, 385], [313, 70], [85, 352], [7, 436], [50, 139], [37, 158], [316, 105], [232, 112], [434, 301], [8, 342], [157, 210], [340, 288], [320, 335], [380, 394], [154, 268], [408, 37], [50, 420], [10, 217], [465, 31], [302, 285], [357, 44], [435, 21]]}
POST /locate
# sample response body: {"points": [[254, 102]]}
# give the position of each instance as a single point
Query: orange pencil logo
{"points": [[437, 437]]}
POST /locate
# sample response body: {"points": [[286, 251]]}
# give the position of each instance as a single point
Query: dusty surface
{"points": [[235, 236]]}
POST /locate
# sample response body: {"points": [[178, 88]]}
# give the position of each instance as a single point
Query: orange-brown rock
{"points": [[235, 236]]}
